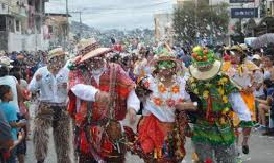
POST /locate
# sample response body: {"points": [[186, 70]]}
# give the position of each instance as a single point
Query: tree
{"points": [[201, 20]]}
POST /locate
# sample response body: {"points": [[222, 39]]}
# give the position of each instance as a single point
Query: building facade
{"points": [[21, 25], [164, 28], [57, 29]]}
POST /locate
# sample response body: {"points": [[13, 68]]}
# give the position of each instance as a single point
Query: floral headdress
{"points": [[202, 57], [165, 58]]}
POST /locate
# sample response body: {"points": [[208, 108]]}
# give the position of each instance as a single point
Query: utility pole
{"points": [[67, 30], [81, 23]]}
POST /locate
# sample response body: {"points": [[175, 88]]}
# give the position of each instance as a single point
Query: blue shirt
{"points": [[9, 110]]}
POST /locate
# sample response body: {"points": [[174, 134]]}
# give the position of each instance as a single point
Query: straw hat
{"points": [[2, 53], [237, 48], [6, 62], [95, 53], [207, 74], [56, 52], [87, 45]]}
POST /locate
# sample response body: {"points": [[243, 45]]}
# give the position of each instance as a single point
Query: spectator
{"points": [[6, 141], [9, 110], [265, 105], [6, 79]]}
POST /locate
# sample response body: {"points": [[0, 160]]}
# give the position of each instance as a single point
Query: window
{"points": [[17, 25], [50, 27], [3, 25]]}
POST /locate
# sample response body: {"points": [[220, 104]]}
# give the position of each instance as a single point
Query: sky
{"points": [[113, 14]]}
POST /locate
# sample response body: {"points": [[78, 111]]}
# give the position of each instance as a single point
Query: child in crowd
{"points": [[9, 110], [265, 105]]}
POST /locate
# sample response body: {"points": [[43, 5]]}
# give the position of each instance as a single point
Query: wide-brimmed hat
{"points": [[237, 48], [206, 74], [6, 62], [95, 53], [256, 56], [87, 45], [56, 52], [2, 53]]}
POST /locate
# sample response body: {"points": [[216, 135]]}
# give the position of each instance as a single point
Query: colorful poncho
{"points": [[212, 124]]}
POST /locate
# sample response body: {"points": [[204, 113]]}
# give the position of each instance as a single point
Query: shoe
{"points": [[245, 149], [268, 134]]}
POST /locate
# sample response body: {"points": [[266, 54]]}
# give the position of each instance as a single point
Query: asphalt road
{"points": [[261, 150]]}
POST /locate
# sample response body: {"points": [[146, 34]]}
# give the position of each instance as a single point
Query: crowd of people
{"points": [[222, 92]]}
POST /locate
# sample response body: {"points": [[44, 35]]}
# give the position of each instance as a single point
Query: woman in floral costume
{"points": [[213, 136], [240, 72], [162, 128]]}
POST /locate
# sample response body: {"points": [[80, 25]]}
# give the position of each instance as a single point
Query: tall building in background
{"points": [[21, 25], [163, 27]]}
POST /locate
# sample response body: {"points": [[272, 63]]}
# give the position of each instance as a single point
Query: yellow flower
{"points": [[205, 94], [193, 85], [225, 99], [221, 91], [220, 82], [225, 110], [224, 79], [222, 121], [196, 91], [191, 79]]}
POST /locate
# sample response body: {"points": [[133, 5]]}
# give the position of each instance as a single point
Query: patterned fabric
{"points": [[93, 140], [162, 100], [48, 116], [161, 141], [122, 88], [212, 123]]}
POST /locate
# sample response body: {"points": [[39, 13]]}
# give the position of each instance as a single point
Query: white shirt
{"points": [[164, 112], [12, 82], [50, 86]]}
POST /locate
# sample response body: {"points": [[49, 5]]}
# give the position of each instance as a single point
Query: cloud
{"points": [[118, 14]]}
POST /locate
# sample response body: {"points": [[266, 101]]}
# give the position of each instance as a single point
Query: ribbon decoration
{"points": [[209, 117]]}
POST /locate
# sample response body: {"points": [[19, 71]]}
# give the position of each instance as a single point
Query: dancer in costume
{"points": [[100, 96], [163, 126], [240, 71], [52, 80], [213, 136]]}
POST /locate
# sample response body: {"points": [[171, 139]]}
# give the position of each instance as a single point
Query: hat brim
{"points": [[8, 66], [57, 55], [95, 53], [205, 75]]}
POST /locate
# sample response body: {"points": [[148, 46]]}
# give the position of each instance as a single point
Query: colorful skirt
{"points": [[159, 141], [249, 100]]}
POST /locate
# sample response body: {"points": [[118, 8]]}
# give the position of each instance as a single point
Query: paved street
{"points": [[262, 151]]}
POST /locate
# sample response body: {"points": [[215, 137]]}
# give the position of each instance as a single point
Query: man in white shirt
{"points": [[52, 80]]}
